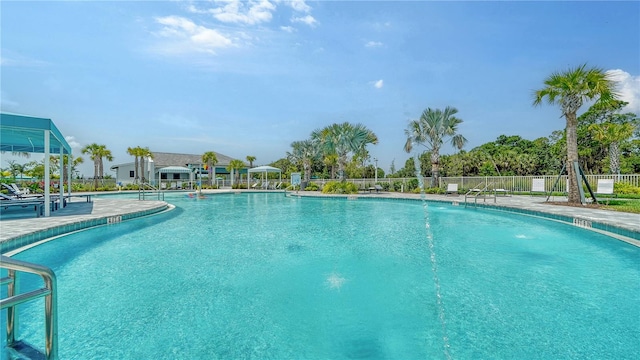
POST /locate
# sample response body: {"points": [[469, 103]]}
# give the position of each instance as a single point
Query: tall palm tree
{"points": [[236, 165], [331, 161], [430, 130], [96, 153], [342, 140], [251, 159], [144, 153], [612, 134], [570, 89], [210, 159], [304, 152], [135, 152], [74, 164]]}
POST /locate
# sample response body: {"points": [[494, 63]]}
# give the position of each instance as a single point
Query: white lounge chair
{"points": [[605, 187], [452, 189], [537, 186], [265, 185]]}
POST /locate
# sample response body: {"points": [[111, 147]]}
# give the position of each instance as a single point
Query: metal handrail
{"points": [[477, 193], [12, 300], [142, 192]]}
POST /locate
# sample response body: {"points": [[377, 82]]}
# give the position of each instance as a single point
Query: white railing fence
{"points": [[511, 183]]}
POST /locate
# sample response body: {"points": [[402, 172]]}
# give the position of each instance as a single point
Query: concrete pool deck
{"points": [[21, 228]]}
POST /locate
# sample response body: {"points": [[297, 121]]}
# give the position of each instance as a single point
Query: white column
{"points": [[60, 186], [47, 178]]}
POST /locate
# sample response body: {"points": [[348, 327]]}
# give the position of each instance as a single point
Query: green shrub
{"points": [[312, 187], [385, 186], [625, 188], [339, 187], [397, 186]]}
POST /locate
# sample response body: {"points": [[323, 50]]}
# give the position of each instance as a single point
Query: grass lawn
{"points": [[630, 206]]}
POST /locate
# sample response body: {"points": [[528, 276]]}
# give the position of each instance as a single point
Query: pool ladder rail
{"points": [[146, 190], [21, 348], [475, 193]]}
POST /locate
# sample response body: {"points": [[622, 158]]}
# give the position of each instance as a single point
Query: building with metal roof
{"points": [[171, 170]]}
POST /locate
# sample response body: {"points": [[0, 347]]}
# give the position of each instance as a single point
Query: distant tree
{"points": [[145, 153], [304, 153], [97, 153], [136, 153], [75, 162], [251, 159], [211, 160], [612, 134], [236, 165], [342, 140], [430, 130], [570, 89]]}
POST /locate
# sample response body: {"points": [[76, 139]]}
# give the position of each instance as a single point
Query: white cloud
{"points": [[288, 29], [251, 12], [309, 20], [628, 87], [378, 84], [372, 44], [299, 5], [186, 36], [71, 140]]}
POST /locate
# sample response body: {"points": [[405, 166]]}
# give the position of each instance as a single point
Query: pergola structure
{"points": [[28, 134], [265, 170]]}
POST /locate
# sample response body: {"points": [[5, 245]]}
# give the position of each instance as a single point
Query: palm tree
{"points": [[135, 152], [235, 165], [570, 89], [74, 164], [331, 161], [96, 153], [16, 169], [612, 134], [144, 153], [343, 139], [251, 159], [210, 159], [304, 152], [430, 130]]}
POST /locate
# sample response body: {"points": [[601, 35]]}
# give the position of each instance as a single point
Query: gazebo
{"points": [[265, 170], [28, 134]]}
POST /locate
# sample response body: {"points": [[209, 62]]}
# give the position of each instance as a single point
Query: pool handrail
{"points": [[12, 300]]}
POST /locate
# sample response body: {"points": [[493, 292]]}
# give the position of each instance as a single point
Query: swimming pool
{"points": [[265, 276]]}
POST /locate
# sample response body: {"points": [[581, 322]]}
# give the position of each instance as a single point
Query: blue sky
{"points": [[250, 77]]}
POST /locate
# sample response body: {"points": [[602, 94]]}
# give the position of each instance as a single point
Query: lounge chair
{"points": [[255, 185], [15, 191], [278, 186], [452, 189], [537, 186], [265, 185], [605, 187], [9, 201], [502, 192]]}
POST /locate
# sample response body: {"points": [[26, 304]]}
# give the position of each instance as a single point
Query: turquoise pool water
{"points": [[262, 276]]}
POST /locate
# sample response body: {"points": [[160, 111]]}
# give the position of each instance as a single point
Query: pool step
{"points": [[23, 351]]}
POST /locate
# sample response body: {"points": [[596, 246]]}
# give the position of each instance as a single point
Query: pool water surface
{"points": [[264, 276]]}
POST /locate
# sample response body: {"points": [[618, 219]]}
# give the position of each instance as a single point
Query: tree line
{"points": [[603, 139]]}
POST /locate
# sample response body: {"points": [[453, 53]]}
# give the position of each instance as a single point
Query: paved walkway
{"points": [[19, 224]]}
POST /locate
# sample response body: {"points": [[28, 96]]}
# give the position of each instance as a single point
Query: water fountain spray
{"points": [[434, 263]]}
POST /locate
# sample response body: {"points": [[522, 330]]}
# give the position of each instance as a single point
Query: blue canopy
{"points": [[28, 134], [20, 133]]}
